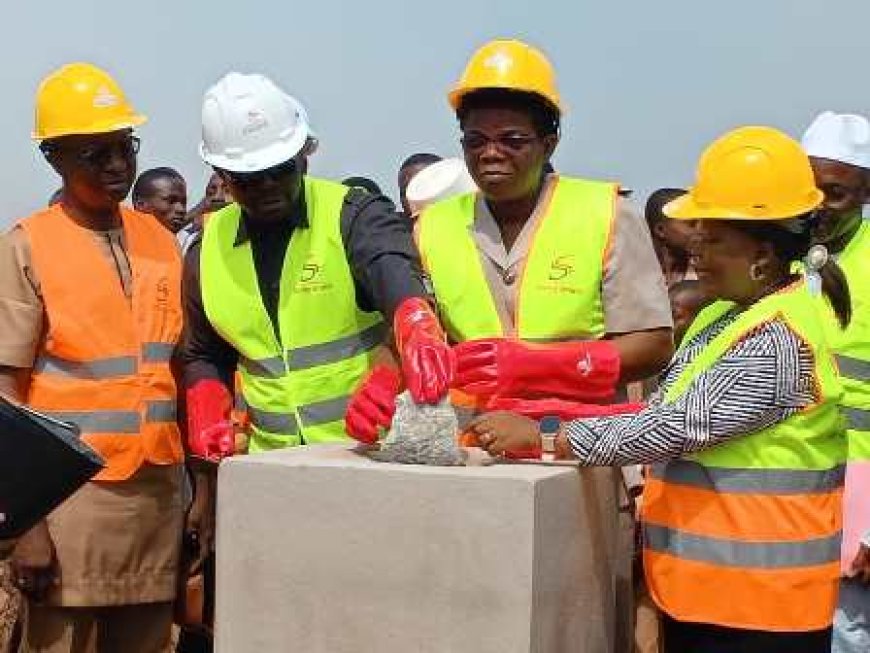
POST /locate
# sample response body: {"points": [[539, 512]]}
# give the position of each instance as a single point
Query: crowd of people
{"points": [[714, 352]]}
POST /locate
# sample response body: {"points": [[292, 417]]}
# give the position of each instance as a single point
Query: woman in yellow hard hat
{"points": [[742, 513], [535, 257]]}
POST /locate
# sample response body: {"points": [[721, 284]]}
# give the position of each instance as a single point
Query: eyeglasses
{"points": [[97, 156], [246, 179], [508, 143]]}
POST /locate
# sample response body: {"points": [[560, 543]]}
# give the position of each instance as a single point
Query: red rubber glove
{"points": [[210, 431], [372, 405], [585, 371], [428, 363], [537, 409], [564, 410]]}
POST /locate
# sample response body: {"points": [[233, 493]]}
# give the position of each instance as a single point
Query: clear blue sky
{"points": [[648, 83]]}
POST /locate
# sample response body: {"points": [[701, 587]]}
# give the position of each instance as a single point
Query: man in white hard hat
{"points": [[439, 181], [294, 285], [839, 149]]}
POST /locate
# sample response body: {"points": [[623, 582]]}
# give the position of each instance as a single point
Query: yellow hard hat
{"points": [[80, 98], [511, 65], [751, 173]]}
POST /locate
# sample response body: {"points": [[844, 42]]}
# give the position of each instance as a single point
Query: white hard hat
{"points": [[437, 182], [843, 137], [249, 124]]}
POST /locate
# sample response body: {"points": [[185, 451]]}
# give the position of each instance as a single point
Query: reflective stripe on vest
{"points": [[157, 352], [325, 353], [322, 412], [104, 363], [749, 480], [559, 264], [854, 368], [735, 553], [117, 421], [757, 517], [104, 368], [296, 384], [857, 419], [161, 411], [100, 421]]}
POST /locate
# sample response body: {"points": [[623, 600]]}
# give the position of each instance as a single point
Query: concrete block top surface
{"points": [[349, 456]]}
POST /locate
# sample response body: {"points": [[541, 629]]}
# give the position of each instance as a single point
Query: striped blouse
{"points": [[763, 379]]}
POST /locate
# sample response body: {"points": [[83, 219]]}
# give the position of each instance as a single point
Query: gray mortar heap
{"points": [[421, 435]]}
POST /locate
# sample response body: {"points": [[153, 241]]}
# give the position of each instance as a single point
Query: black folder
{"points": [[42, 462]]}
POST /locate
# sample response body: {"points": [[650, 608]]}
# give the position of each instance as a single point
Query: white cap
{"points": [[249, 124], [843, 137], [437, 182]]}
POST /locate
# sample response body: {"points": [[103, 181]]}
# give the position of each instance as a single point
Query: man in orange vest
{"points": [[90, 312]]}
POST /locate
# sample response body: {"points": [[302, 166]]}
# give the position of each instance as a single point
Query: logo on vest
{"points": [[560, 275], [162, 295], [311, 278], [561, 267]]}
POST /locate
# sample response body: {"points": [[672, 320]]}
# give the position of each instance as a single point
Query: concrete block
{"points": [[321, 550]]}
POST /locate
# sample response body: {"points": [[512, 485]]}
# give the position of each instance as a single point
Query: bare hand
{"points": [[200, 523], [34, 568], [860, 567], [501, 432]]}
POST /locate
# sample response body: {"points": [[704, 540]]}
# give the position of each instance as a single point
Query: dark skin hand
{"points": [[500, 431], [860, 567], [506, 157]]}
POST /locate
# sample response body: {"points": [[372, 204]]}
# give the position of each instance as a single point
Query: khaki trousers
{"points": [[143, 628]]}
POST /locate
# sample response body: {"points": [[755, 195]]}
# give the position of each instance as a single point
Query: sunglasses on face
{"points": [[245, 179], [508, 143], [97, 156]]}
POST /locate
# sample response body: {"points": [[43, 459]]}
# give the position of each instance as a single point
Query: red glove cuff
{"points": [[209, 403], [415, 314]]}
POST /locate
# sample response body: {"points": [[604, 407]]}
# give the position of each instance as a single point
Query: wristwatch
{"points": [[548, 428]]}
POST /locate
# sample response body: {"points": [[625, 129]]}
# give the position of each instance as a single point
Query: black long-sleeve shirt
{"points": [[380, 252]]}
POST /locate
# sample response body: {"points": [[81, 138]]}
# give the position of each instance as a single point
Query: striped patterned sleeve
{"points": [[762, 380]]}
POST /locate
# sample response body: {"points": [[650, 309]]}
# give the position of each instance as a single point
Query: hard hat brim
{"points": [[107, 127], [686, 207], [455, 96], [260, 160]]}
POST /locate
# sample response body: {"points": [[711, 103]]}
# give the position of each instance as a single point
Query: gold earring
{"points": [[756, 273]]}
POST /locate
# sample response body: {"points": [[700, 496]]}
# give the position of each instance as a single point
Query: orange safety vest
{"points": [[747, 534], [105, 362]]}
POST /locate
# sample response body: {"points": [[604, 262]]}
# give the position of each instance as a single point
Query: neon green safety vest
{"points": [[297, 386], [757, 517], [852, 345], [822, 442], [852, 349], [560, 285]]}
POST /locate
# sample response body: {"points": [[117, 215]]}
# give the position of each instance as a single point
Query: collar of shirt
{"points": [[298, 219]]}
